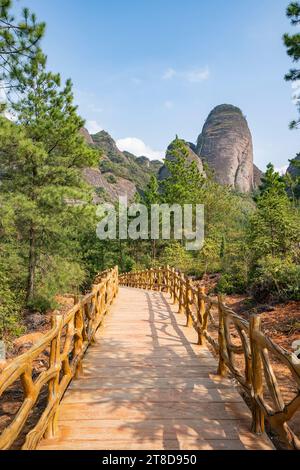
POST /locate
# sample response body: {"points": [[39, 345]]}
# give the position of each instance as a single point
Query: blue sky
{"points": [[145, 70]]}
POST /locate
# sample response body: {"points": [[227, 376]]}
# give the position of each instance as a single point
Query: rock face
{"points": [[257, 176], [226, 145], [119, 173], [193, 157], [85, 134], [293, 170]]}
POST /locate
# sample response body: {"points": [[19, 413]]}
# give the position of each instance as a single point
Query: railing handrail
{"points": [[81, 323], [258, 375]]}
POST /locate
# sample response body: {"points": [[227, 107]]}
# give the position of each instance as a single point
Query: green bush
{"points": [[9, 310], [176, 256], [276, 279], [57, 277], [231, 284], [111, 179]]}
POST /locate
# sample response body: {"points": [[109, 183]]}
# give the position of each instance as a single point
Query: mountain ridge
{"points": [[225, 145]]}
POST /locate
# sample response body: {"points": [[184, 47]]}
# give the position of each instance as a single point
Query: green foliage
{"points": [[273, 239], [276, 278], [274, 227], [19, 40], [151, 194], [41, 161], [111, 179], [10, 321], [123, 164], [55, 275], [272, 181], [292, 43], [176, 256], [184, 183], [292, 180]]}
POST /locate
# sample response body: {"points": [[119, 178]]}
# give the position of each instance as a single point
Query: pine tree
{"points": [[19, 40], [185, 183], [292, 43], [274, 227], [42, 156], [272, 181], [151, 196]]}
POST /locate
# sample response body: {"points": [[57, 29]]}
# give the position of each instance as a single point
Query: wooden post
{"points": [[258, 423], [222, 369], [159, 280], [187, 303], [174, 286], [116, 281], [151, 279], [169, 281], [78, 341], [201, 312], [181, 291], [53, 386]]}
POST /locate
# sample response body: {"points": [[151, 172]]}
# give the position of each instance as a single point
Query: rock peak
{"points": [[226, 145]]}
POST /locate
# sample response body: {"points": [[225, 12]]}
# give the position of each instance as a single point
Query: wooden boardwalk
{"points": [[147, 385]]}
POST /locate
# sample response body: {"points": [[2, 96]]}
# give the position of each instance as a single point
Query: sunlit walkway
{"points": [[147, 385]]}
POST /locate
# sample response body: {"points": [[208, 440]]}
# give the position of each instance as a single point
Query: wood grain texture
{"points": [[66, 344], [236, 336], [147, 384]]}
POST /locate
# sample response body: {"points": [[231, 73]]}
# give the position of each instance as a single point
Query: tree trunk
{"points": [[153, 243], [31, 265]]}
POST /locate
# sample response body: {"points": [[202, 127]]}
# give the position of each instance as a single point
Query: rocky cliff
{"points": [[257, 176], [119, 173], [226, 145], [192, 157]]}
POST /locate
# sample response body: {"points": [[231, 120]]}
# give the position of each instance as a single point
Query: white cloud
{"points": [[168, 104], [93, 127], [195, 75], [169, 74], [198, 75], [282, 171], [139, 148]]}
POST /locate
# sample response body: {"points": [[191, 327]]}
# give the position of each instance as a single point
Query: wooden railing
{"points": [[254, 371], [64, 346]]}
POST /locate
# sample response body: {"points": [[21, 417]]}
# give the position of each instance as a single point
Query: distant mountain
{"points": [[225, 145], [119, 173]]}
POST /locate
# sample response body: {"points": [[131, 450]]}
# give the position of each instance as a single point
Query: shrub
{"points": [[57, 277], [9, 310], [231, 284], [276, 279], [111, 179]]}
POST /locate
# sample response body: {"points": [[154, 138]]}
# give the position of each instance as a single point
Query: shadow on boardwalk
{"points": [[147, 385]]}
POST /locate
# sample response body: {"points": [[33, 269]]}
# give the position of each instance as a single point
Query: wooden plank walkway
{"points": [[147, 385]]}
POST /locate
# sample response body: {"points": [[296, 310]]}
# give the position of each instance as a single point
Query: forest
{"points": [[48, 241]]}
